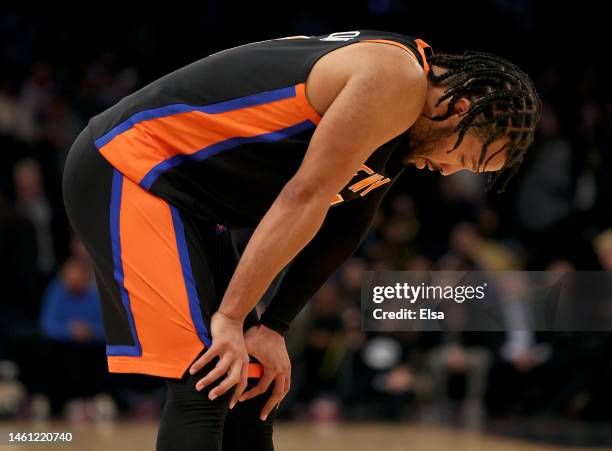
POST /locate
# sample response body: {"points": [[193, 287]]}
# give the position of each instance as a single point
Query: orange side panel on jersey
{"points": [[154, 280], [140, 148], [419, 42]]}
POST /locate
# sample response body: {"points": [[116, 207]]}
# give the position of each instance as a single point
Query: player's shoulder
{"points": [[384, 55], [392, 72]]}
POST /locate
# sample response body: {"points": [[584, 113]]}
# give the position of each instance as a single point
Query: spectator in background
{"points": [[60, 125], [525, 376], [418, 263], [467, 243], [603, 249], [350, 277], [29, 101], [71, 322], [71, 308], [19, 299], [466, 356], [380, 379], [324, 348], [544, 203], [399, 230], [32, 204]]}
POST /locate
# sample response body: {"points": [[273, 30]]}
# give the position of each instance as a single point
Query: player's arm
{"points": [[380, 99], [342, 232]]}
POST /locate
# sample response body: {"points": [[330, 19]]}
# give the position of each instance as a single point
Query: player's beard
{"points": [[425, 136]]}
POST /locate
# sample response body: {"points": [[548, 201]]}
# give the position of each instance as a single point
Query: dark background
{"points": [[59, 68]]}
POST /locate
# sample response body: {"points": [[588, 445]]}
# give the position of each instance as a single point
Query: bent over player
{"points": [[299, 138]]}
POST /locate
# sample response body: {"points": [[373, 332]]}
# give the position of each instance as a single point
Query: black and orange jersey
{"points": [[221, 137]]}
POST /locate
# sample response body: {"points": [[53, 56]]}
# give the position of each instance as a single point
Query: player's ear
{"points": [[462, 106]]}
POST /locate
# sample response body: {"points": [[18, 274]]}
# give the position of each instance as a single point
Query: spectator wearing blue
{"points": [[71, 324], [71, 306]]}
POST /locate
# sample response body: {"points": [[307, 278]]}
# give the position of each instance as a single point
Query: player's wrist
{"points": [[270, 333], [230, 317], [274, 324]]}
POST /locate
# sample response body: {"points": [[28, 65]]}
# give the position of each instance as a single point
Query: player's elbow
{"points": [[301, 192]]}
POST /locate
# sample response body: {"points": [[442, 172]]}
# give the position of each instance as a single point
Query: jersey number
{"points": [[341, 36]]}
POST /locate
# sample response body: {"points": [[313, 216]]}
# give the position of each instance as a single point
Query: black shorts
{"points": [[161, 272]]}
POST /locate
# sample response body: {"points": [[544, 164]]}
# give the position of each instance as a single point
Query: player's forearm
{"points": [[342, 232], [290, 223]]}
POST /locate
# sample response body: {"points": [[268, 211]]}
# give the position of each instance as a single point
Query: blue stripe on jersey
{"points": [[215, 108], [214, 149], [192, 292], [134, 350]]}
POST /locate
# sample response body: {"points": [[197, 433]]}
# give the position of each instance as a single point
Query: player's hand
{"points": [[228, 345], [269, 348]]}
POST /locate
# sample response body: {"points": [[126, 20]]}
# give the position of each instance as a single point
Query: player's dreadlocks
{"points": [[504, 102]]}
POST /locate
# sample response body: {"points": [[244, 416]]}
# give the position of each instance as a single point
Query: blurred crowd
{"points": [[555, 216]]}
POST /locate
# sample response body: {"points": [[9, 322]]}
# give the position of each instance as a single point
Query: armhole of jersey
{"points": [[305, 105], [421, 45]]}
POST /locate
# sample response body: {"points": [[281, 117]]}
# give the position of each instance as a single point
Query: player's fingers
{"points": [[275, 398], [242, 385], [219, 370], [206, 358], [232, 378], [262, 386], [288, 381], [287, 384]]}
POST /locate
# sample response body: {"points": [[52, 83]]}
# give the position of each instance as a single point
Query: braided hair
{"points": [[504, 102]]}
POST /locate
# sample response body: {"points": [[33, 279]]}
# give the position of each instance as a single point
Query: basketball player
{"points": [[299, 138]]}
